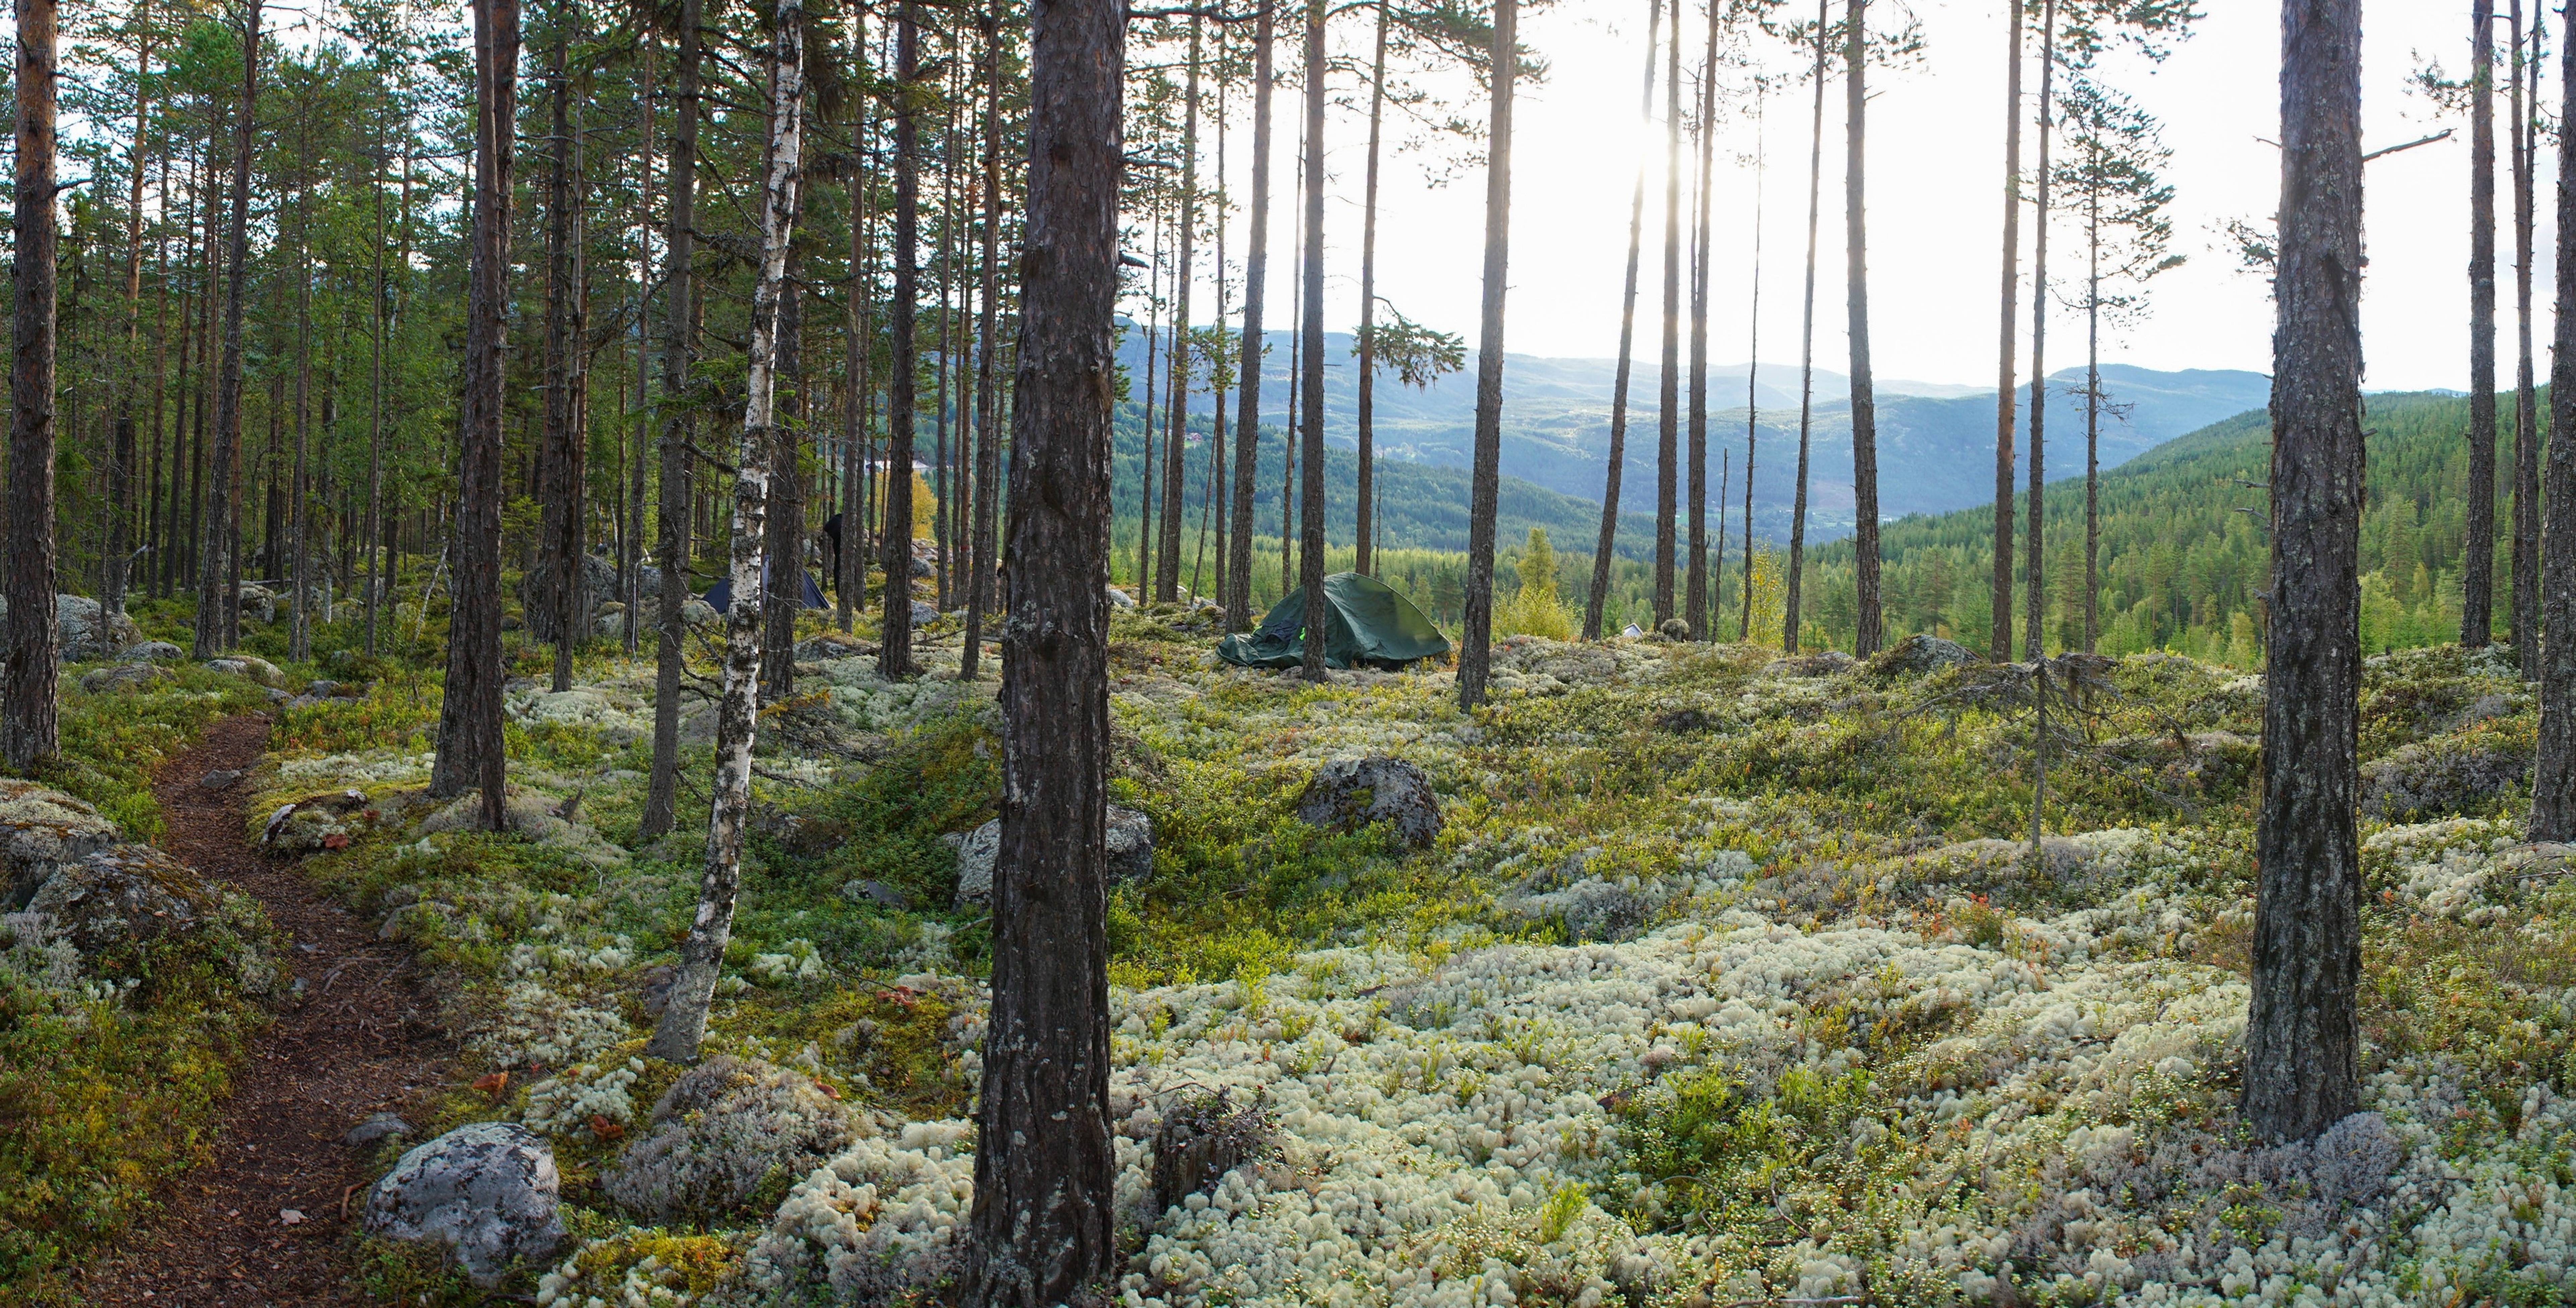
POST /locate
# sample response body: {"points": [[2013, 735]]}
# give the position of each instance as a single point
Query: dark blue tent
{"points": [[720, 595]]}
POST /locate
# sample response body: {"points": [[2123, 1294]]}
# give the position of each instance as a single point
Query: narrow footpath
{"points": [[263, 1222]]}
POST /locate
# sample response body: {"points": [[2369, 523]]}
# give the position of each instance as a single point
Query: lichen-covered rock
{"points": [[85, 631], [699, 615], [1348, 794], [1131, 854], [722, 1131], [41, 831], [488, 1191], [1918, 655], [124, 894], [1822, 663], [326, 820], [258, 603], [599, 587], [122, 677], [252, 666], [152, 651], [832, 645], [2443, 776], [534, 816]]}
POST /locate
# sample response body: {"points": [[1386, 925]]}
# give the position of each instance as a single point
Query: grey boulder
{"points": [[1131, 854], [85, 631], [41, 832], [1348, 794], [153, 651], [1919, 654], [488, 1191]]}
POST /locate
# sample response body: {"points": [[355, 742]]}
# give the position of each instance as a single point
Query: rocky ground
{"points": [[1682, 976]]}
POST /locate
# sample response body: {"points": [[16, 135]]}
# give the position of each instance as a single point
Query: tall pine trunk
{"points": [[2035, 594], [1310, 509], [894, 651], [849, 557], [470, 750], [1668, 383], [1045, 1173], [1999, 642], [2526, 399], [1593, 603], [679, 350], [630, 561], [684, 1022], [30, 724], [2477, 570], [1870, 632], [2093, 410], [219, 528], [121, 456], [1176, 443], [988, 455], [1695, 589], [1475, 644], [1256, 277], [2553, 787], [1753, 368], [1791, 615], [2302, 1033], [1367, 398]]}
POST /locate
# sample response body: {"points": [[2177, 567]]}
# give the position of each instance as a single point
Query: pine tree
{"points": [[30, 728], [1475, 646], [1601, 552], [2302, 1034]]}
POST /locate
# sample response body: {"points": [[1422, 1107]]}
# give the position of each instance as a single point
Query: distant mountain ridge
{"points": [[1936, 450]]}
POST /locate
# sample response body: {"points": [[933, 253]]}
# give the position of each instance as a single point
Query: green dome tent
{"points": [[1365, 622]]}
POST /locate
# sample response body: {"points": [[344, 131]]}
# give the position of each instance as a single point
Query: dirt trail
{"points": [[361, 1041]]}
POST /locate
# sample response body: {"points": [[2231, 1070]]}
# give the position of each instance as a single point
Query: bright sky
{"points": [[1935, 159]]}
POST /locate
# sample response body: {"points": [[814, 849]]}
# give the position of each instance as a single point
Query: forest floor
{"points": [[360, 1041]]}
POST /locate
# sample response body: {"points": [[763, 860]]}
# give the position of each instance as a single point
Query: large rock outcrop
{"points": [[86, 631], [43, 831]]}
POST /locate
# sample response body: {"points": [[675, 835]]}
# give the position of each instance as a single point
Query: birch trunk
{"points": [[684, 1022]]}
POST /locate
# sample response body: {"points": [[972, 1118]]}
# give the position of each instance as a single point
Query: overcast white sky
{"points": [[1935, 164]]}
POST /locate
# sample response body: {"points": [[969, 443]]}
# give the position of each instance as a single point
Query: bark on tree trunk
{"points": [[679, 326], [469, 717], [30, 724], [1167, 540], [988, 454], [2477, 570], [561, 496], [2553, 785], [120, 466], [220, 527], [2035, 595], [1045, 1172], [1310, 509], [684, 1022], [1594, 604], [1790, 614], [1999, 642], [1695, 588], [1475, 643], [1367, 398], [1668, 383], [1870, 632], [782, 591], [2302, 1035], [894, 650], [2526, 406], [630, 558], [1256, 276]]}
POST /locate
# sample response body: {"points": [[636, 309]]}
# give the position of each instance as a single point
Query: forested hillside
{"points": [[2183, 553]]}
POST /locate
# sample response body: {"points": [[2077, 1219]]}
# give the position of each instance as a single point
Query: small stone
{"points": [[153, 651], [378, 1126], [876, 892], [289, 1217], [220, 778]]}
